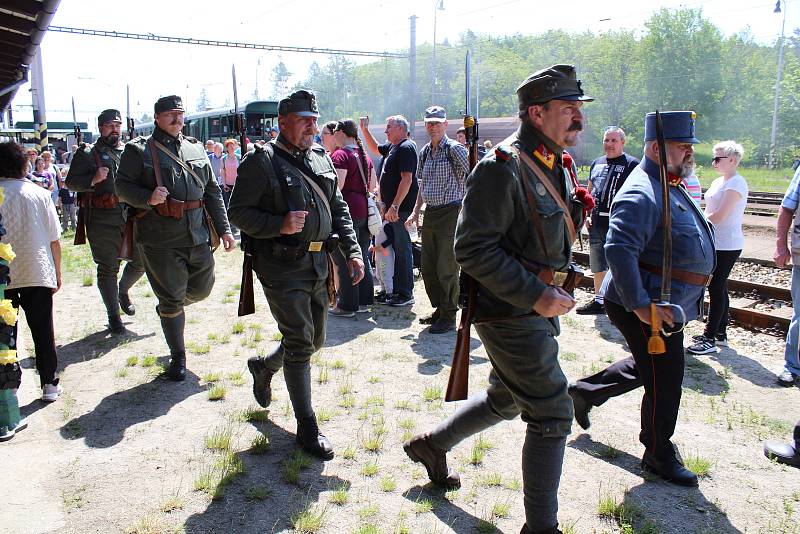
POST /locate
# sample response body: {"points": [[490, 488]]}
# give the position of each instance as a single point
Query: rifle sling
{"points": [[282, 152], [174, 158]]}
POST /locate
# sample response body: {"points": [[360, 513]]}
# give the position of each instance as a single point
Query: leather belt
{"points": [[687, 277], [106, 200], [177, 208]]}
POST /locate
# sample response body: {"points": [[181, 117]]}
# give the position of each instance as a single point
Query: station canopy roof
{"points": [[23, 24]]}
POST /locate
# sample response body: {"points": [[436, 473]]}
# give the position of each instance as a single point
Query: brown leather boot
{"points": [[421, 450]]}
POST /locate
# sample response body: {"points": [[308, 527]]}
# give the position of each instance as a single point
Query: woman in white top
{"points": [[726, 199]]}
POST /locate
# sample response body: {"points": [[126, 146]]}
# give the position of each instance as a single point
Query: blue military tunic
{"points": [[635, 236]]}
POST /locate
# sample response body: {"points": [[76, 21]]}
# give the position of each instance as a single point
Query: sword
{"points": [[655, 344], [131, 127]]}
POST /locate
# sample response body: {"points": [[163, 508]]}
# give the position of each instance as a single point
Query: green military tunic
{"points": [[104, 225], [175, 252], [494, 230], [295, 288]]}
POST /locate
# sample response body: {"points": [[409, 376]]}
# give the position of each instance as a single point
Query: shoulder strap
{"points": [[176, 159], [449, 155], [362, 172], [545, 181], [156, 166]]}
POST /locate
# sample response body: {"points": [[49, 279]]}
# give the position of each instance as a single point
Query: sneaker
{"points": [[703, 346], [363, 309], [593, 308], [721, 339], [382, 297], [51, 392], [338, 312], [786, 378], [398, 300]]}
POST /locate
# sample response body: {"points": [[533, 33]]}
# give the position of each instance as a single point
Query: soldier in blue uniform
{"points": [[634, 250], [514, 238]]}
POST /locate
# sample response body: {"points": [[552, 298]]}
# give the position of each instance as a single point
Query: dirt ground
{"points": [[126, 451]]}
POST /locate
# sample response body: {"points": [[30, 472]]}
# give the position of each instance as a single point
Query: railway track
{"points": [[748, 306]]}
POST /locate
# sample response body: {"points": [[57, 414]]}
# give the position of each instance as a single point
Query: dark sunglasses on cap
{"points": [[717, 159]]}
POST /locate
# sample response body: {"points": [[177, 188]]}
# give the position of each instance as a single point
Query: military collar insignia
{"points": [[545, 156]]}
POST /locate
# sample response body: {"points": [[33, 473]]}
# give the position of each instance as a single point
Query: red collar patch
{"points": [[673, 180]]}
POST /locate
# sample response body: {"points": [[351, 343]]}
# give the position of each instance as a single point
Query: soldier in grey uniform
{"points": [[92, 173], [515, 260], [288, 206], [169, 178]]}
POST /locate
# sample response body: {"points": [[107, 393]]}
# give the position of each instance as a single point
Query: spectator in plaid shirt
{"points": [[441, 172]]}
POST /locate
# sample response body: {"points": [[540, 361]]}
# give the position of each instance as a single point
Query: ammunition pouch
{"points": [[104, 201], [176, 208]]}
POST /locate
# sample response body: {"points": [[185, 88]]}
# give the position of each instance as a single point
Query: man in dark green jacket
{"points": [[92, 173], [169, 178], [287, 203], [514, 239]]}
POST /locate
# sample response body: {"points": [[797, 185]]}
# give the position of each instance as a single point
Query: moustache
{"points": [[576, 126]]}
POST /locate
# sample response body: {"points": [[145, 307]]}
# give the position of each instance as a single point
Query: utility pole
{"points": [[37, 96], [774, 135], [412, 76]]}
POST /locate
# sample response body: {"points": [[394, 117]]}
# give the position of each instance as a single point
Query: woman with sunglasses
{"points": [[327, 135], [726, 199]]}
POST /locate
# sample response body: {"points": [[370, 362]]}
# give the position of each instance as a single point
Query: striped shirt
{"points": [[442, 173]]}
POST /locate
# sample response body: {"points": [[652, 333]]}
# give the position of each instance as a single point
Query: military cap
{"points": [[678, 126], [302, 103], [109, 115], [435, 114], [558, 82], [168, 103]]}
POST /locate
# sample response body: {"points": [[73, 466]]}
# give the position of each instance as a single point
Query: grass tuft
{"points": [[260, 444], [217, 392], [308, 520]]}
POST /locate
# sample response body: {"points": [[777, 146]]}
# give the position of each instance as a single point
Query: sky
{"points": [[95, 70]]}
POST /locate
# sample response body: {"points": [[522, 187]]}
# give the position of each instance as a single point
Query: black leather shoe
{"points": [[669, 468], [581, 407], [126, 305], [312, 440], [261, 381], [176, 370], [783, 453], [442, 325], [115, 325], [421, 450], [430, 319], [593, 308]]}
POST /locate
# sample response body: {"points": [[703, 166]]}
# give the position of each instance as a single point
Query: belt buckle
{"points": [[559, 277], [315, 246]]}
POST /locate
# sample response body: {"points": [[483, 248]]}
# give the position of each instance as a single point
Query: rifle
{"points": [[247, 303], [126, 246], [656, 345], [80, 226], [457, 385]]}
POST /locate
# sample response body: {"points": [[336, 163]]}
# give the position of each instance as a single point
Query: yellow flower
{"points": [[2, 196], [8, 356], [7, 312], [6, 253]]}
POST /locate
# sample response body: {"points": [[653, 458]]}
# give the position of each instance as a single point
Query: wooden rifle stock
{"points": [[247, 303], [84, 204], [457, 385]]}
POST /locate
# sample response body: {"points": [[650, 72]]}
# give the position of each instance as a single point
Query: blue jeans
{"points": [[403, 280], [791, 353]]}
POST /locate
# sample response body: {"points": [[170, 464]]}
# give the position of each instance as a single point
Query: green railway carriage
{"points": [[218, 124]]}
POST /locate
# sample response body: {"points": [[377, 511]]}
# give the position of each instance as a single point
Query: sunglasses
{"points": [[717, 159]]}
